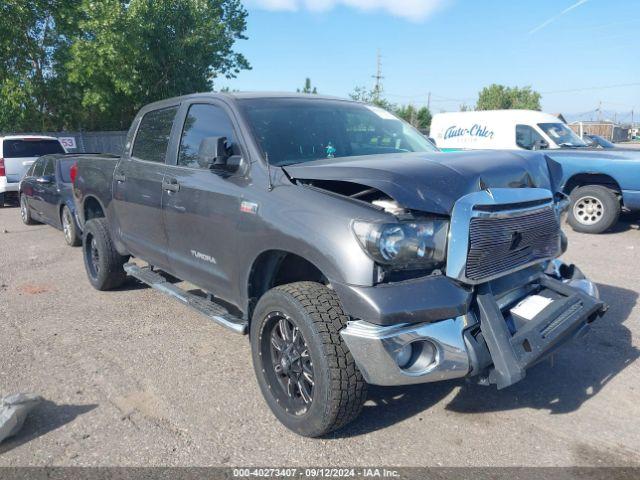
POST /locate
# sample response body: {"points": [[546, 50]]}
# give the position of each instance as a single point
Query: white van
{"points": [[501, 130], [17, 154]]}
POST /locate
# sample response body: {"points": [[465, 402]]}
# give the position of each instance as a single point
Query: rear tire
{"points": [[306, 373], [25, 213], [2, 200], [70, 228], [102, 261], [594, 209]]}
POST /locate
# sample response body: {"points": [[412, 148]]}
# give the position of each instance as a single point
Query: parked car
{"points": [[597, 141], [46, 196], [352, 251], [17, 154], [601, 182]]}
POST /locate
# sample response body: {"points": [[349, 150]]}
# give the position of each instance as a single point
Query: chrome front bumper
{"points": [[449, 354]]}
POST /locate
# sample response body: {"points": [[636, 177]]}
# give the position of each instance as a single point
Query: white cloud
{"points": [[414, 10]]}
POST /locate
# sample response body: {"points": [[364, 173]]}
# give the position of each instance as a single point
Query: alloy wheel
{"points": [[287, 363], [588, 210], [67, 225], [24, 212]]}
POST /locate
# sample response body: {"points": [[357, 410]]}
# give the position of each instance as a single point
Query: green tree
{"points": [[362, 94], [92, 64], [418, 117], [34, 41], [134, 52], [500, 97], [308, 88]]}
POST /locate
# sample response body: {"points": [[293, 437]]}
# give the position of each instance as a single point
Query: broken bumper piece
{"points": [[481, 342]]}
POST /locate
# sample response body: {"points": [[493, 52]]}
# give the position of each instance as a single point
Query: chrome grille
{"points": [[500, 244]]}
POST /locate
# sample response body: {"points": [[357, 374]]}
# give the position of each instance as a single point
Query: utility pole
{"points": [[377, 89], [429, 102]]}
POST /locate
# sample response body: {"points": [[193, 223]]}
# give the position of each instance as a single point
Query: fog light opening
{"points": [[403, 356], [417, 357]]}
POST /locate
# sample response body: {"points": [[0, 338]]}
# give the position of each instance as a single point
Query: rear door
{"points": [[50, 193], [20, 153], [137, 187], [202, 208]]}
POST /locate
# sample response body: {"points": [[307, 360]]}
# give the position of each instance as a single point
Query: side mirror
{"points": [[213, 152], [540, 145], [45, 179]]}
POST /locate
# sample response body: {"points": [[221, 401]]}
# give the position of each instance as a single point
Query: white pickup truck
{"points": [[17, 153]]}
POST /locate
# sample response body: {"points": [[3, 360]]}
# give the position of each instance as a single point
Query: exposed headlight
{"points": [[405, 244]]}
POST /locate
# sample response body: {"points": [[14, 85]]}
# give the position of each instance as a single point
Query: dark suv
{"points": [[349, 249]]}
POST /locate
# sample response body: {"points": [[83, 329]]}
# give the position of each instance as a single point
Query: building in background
{"points": [[612, 131]]}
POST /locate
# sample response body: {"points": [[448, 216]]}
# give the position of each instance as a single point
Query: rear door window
{"points": [[38, 167], [49, 167], [153, 135], [30, 148]]}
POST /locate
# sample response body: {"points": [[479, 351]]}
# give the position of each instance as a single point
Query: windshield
{"points": [[296, 130], [562, 135], [597, 140], [31, 147]]}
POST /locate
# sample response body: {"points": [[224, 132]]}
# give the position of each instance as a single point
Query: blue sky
{"points": [[451, 48]]}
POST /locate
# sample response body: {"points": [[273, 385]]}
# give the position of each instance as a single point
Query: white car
{"points": [[17, 154]]}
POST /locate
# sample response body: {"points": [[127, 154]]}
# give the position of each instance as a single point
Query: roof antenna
{"points": [[269, 185]]}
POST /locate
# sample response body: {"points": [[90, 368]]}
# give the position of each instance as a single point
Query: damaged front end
{"points": [[495, 300]]}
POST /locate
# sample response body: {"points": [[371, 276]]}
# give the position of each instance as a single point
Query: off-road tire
{"points": [[610, 205], [73, 237], [339, 391], [25, 214], [109, 273], [2, 198]]}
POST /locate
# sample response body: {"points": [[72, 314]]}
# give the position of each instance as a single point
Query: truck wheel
{"points": [[594, 209], [305, 371], [25, 213], [1, 200], [69, 228], [101, 260]]}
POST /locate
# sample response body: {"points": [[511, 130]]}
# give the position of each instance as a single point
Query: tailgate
{"points": [[17, 167]]}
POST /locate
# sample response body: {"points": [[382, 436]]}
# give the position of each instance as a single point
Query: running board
{"points": [[208, 308]]}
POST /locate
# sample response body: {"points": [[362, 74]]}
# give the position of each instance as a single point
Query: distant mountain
{"points": [[609, 115]]}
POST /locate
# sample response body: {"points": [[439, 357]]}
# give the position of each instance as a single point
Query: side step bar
{"points": [[208, 308]]}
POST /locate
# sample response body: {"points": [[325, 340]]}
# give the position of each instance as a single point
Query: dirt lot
{"points": [[133, 378]]}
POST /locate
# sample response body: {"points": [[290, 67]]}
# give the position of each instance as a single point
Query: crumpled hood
{"points": [[432, 182]]}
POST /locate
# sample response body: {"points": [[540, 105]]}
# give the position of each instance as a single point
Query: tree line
{"points": [[91, 65], [85, 64]]}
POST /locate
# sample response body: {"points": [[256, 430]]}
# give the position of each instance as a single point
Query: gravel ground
{"points": [[133, 378]]}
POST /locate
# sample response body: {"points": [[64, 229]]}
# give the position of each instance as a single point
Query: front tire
{"points": [[25, 213], [103, 263], [69, 228], [306, 373], [594, 209]]}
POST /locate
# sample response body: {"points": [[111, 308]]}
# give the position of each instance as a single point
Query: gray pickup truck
{"points": [[349, 249]]}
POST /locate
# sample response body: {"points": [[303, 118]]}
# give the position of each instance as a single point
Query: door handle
{"points": [[119, 177], [171, 185]]}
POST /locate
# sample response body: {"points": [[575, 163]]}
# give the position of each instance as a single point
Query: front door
{"points": [[137, 188], [202, 208]]}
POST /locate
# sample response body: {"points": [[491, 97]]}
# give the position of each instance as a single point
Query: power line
{"points": [[584, 89]]}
